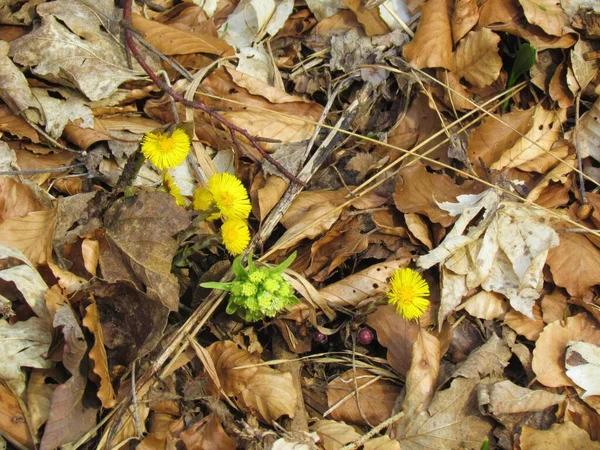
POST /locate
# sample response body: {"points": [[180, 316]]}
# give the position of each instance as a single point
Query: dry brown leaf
{"points": [[432, 44], [334, 435], [170, 40], [558, 175], [39, 395], [451, 421], [525, 326], [139, 246], [535, 35], [489, 359], [91, 321], [16, 199], [464, 17], [207, 434], [381, 443], [419, 229], [16, 126], [563, 86], [582, 362], [583, 416], [554, 306], [90, 251], [265, 192], [476, 59], [486, 305], [575, 264], [558, 437], [362, 287], [529, 151], [422, 376], [505, 397], [369, 18], [376, 400], [547, 14], [587, 137], [550, 348], [270, 393], [12, 420], [396, 334], [31, 234], [418, 190], [227, 356]]}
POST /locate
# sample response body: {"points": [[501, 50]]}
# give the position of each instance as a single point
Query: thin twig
{"points": [[233, 129], [136, 413], [578, 152], [365, 437]]}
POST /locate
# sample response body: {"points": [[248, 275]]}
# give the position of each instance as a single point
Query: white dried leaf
{"points": [[582, 361]]}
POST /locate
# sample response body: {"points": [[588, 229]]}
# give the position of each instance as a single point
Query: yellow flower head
{"points": [[230, 196], [173, 189], [408, 293], [203, 199], [165, 151], [236, 235]]}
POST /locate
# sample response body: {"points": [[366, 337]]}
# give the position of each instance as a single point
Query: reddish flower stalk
{"points": [[233, 129]]}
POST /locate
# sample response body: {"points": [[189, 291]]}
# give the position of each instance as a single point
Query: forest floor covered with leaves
{"points": [[279, 224]]}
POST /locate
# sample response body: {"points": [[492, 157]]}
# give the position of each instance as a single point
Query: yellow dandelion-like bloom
{"points": [[173, 189], [408, 293], [165, 151], [236, 235], [230, 196], [203, 199]]}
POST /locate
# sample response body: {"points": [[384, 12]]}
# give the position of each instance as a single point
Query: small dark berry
{"points": [[365, 336], [319, 337]]}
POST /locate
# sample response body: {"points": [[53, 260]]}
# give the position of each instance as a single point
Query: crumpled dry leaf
{"points": [[370, 19], [504, 252], [362, 287], [489, 359], [451, 420], [419, 191], [14, 89], [505, 397], [381, 443], [582, 362], [334, 435], [91, 321], [559, 437], [485, 305], [207, 434], [464, 17], [376, 400], [432, 45], [13, 424], [526, 326], [529, 153], [587, 137], [476, 59], [139, 246], [575, 264], [547, 14], [550, 348], [39, 396]]}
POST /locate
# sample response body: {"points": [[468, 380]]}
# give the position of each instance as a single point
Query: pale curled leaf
{"points": [[485, 305], [547, 14], [334, 435], [582, 361], [476, 59], [505, 397], [587, 137]]}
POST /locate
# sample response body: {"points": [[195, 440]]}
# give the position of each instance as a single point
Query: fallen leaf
{"points": [[558, 437], [583, 416], [582, 362], [547, 14], [84, 57], [489, 359], [334, 435], [369, 18], [207, 434], [432, 44], [12, 419], [75, 345], [587, 136], [421, 379], [381, 443], [376, 400], [139, 246], [98, 355], [362, 287], [32, 234], [505, 397], [14, 89], [563, 86], [575, 255], [39, 396], [419, 191], [525, 326], [550, 348], [419, 229], [554, 306], [451, 421], [227, 357], [464, 17], [476, 58], [16, 126], [485, 305]]}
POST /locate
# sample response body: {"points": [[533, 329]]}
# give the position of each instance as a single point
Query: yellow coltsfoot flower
{"points": [[408, 293], [166, 151], [230, 196], [173, 189], [235, 235]]}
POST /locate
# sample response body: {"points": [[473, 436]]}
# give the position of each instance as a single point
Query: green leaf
{"points": [[238, 270], [251, 265], [486, 444], [284, 265], [216, 285], [524, 61]]}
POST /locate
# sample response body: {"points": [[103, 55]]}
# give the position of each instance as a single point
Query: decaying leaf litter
{"points": [[321, 224]]}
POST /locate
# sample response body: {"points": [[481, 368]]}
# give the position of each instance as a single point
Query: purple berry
{"points": [[319, 337], [365, 336]]}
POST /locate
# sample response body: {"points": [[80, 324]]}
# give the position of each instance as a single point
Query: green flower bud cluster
{"points": [[257, 293]]}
